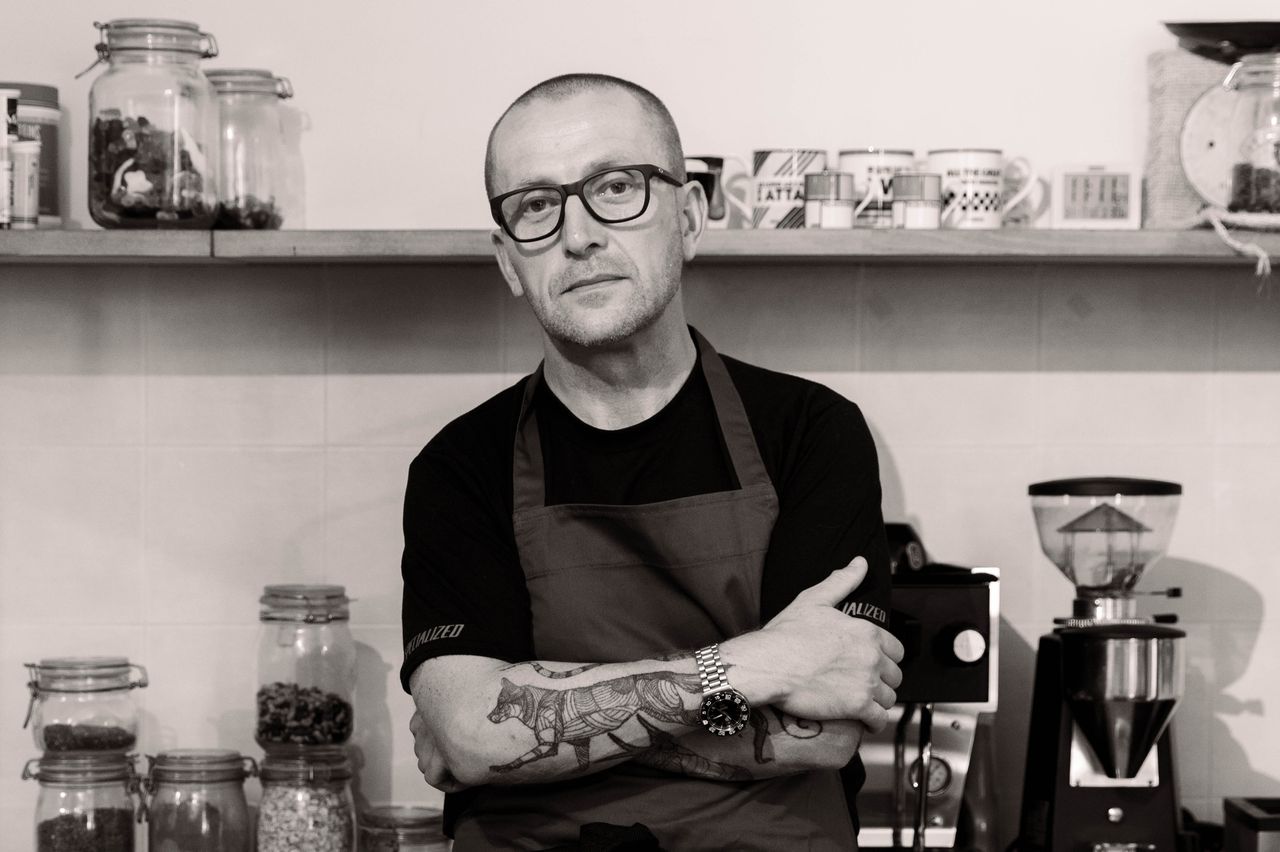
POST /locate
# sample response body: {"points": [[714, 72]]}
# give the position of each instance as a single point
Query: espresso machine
{"points": [[1100, 775], [929, 771]]}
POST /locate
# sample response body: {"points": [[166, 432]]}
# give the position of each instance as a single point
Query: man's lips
{"points": [[594, 279]]}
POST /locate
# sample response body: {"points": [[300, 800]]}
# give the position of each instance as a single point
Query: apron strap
{"points": [[529, 482]]}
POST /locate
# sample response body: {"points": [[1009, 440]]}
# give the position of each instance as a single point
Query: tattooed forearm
{"points": [[666, 753], [554, 675], [575, 715]]}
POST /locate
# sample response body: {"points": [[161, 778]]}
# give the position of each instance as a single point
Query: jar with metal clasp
{"points": [[252, 186], [87, 801], [153, 127], [1255, 134], [306, 801], [306, 667], [393, 828], [84, 703], [195, 801]]}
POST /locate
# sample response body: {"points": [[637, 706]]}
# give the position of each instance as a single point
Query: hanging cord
{"points": [[1219, 219]]}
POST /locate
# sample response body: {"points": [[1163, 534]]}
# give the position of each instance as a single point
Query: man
{"points": [[590, 555]]}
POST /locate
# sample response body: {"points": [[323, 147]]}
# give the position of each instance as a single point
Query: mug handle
{"points": [[1028, 185]]}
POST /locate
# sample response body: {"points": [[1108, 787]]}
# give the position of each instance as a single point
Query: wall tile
{"points": [[70, 535], [1245, 481], [47, 410], [414, 319], [363, 538], [235, 410], [1246, 407], [970, 318], [242, 320], [1244, 725], [1146, 319], [1248, 324], [402, 410], [782, 317], [221, 524], [1193, 718], [1126, 408]]}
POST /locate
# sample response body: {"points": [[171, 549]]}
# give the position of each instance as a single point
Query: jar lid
{"points": [[154, 34], [303, 602], [201, 764], [35, 94], [253, 81], [403, 816], [80, 767], [828, 185], [85, 674], [897, 151], [913, 186], [306, 763]]}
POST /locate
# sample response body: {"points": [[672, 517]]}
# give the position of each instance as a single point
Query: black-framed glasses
{"points": [[612, 195]]}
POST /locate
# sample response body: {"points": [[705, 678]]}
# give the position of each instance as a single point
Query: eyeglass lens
{"points": [[612, 196]]}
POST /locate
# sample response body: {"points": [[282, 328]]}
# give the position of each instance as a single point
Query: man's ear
{"points": [[504, 263], [693, 217]]}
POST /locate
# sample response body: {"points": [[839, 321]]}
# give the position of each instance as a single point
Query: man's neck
{"points": [[619, 386]]}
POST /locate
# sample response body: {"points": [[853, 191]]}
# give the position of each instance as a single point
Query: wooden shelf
{"points": [[473, 246]]}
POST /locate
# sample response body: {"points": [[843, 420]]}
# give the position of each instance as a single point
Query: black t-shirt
{"points": [[464, 591]]}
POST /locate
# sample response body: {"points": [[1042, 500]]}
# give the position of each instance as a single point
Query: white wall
{"points": [[171, 440]]}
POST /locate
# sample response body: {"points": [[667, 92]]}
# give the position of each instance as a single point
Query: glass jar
{"points": [[306, 667], [153, 133], [251, 179], [1255, 175], [84, 703], [306, 801], [86, 802], [195, 801], [402, 829]]}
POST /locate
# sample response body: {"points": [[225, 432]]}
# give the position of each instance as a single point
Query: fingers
{"points": [[837, 586], [891, 646]]}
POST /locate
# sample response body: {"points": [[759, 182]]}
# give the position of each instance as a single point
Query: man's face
{"points": [[591, 284]]}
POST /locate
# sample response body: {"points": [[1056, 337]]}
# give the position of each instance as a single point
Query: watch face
{"points": [[725, 713]]}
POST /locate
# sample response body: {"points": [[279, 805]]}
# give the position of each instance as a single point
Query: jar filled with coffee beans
{"points": [[87, 801], [84, 703]]}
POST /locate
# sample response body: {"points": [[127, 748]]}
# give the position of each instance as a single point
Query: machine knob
{"points": [[1115, 815], [969, 646]]}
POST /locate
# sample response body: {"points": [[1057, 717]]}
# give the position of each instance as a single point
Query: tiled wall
{"points": [[174, 438]]}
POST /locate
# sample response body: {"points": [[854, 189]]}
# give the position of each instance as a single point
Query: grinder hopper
{"points": [[1122, 675]]}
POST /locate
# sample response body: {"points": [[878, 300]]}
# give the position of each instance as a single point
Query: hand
{"points": [[430, 761], [815, 662]]}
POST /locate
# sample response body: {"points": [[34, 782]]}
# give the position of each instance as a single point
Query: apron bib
{"points": [[620, 583]]}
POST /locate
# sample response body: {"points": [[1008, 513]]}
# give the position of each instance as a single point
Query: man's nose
{"points": [[582, 231]]}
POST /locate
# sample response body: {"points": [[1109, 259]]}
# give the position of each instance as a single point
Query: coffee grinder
{"points": [[1100, 774]]}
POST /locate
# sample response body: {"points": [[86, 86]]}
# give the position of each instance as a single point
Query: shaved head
{"points": [[662, 125]]}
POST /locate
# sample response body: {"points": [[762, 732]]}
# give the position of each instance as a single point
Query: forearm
{"points": [[774, 744], [540, 721]]}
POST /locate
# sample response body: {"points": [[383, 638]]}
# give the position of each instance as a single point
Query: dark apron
{"points": [[622, 583]]}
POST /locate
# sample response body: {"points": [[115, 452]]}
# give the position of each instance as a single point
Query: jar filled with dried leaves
{"points": [[84, 703]]}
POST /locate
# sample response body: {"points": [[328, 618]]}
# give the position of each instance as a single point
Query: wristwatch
{"points": [[725, 710]]}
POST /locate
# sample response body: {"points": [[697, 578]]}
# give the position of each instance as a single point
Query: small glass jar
{"points": [[391, 828], [306, 801], [1255, 130], [828, 200], [84, 703], [86, 802], [251, 183], [306, 667], [917, 201], [153, 133], [195, 801]]}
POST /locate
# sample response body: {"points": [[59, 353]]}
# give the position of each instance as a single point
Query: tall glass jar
{"points": [[84, 703], [153, 132], [392, 828], [1255, 175], [306, 667], [251, 183], [196, 801], [86, 802], [306, 801]]}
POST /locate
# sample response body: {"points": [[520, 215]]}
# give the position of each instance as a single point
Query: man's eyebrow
{"points": [[596, 165]]}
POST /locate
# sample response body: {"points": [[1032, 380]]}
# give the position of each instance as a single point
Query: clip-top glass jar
{"points": [[153, 133], [86, 802], [392, 828], [1255, 176], [195, 801], [306, 801], [306, 667], [84, 703], [254, 168]]}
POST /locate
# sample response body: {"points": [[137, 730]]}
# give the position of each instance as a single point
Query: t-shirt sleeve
{"points": [[829, 513], [464, 591]]}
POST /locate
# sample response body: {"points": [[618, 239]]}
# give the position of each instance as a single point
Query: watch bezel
{"points": [[729, 698]]}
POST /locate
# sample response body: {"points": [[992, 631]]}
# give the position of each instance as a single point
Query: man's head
{"points": [[592, 283]]}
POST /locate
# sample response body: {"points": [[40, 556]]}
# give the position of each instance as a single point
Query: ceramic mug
{"points": [[778, 176], [973, 196], [873, 170], [728, 189]]}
